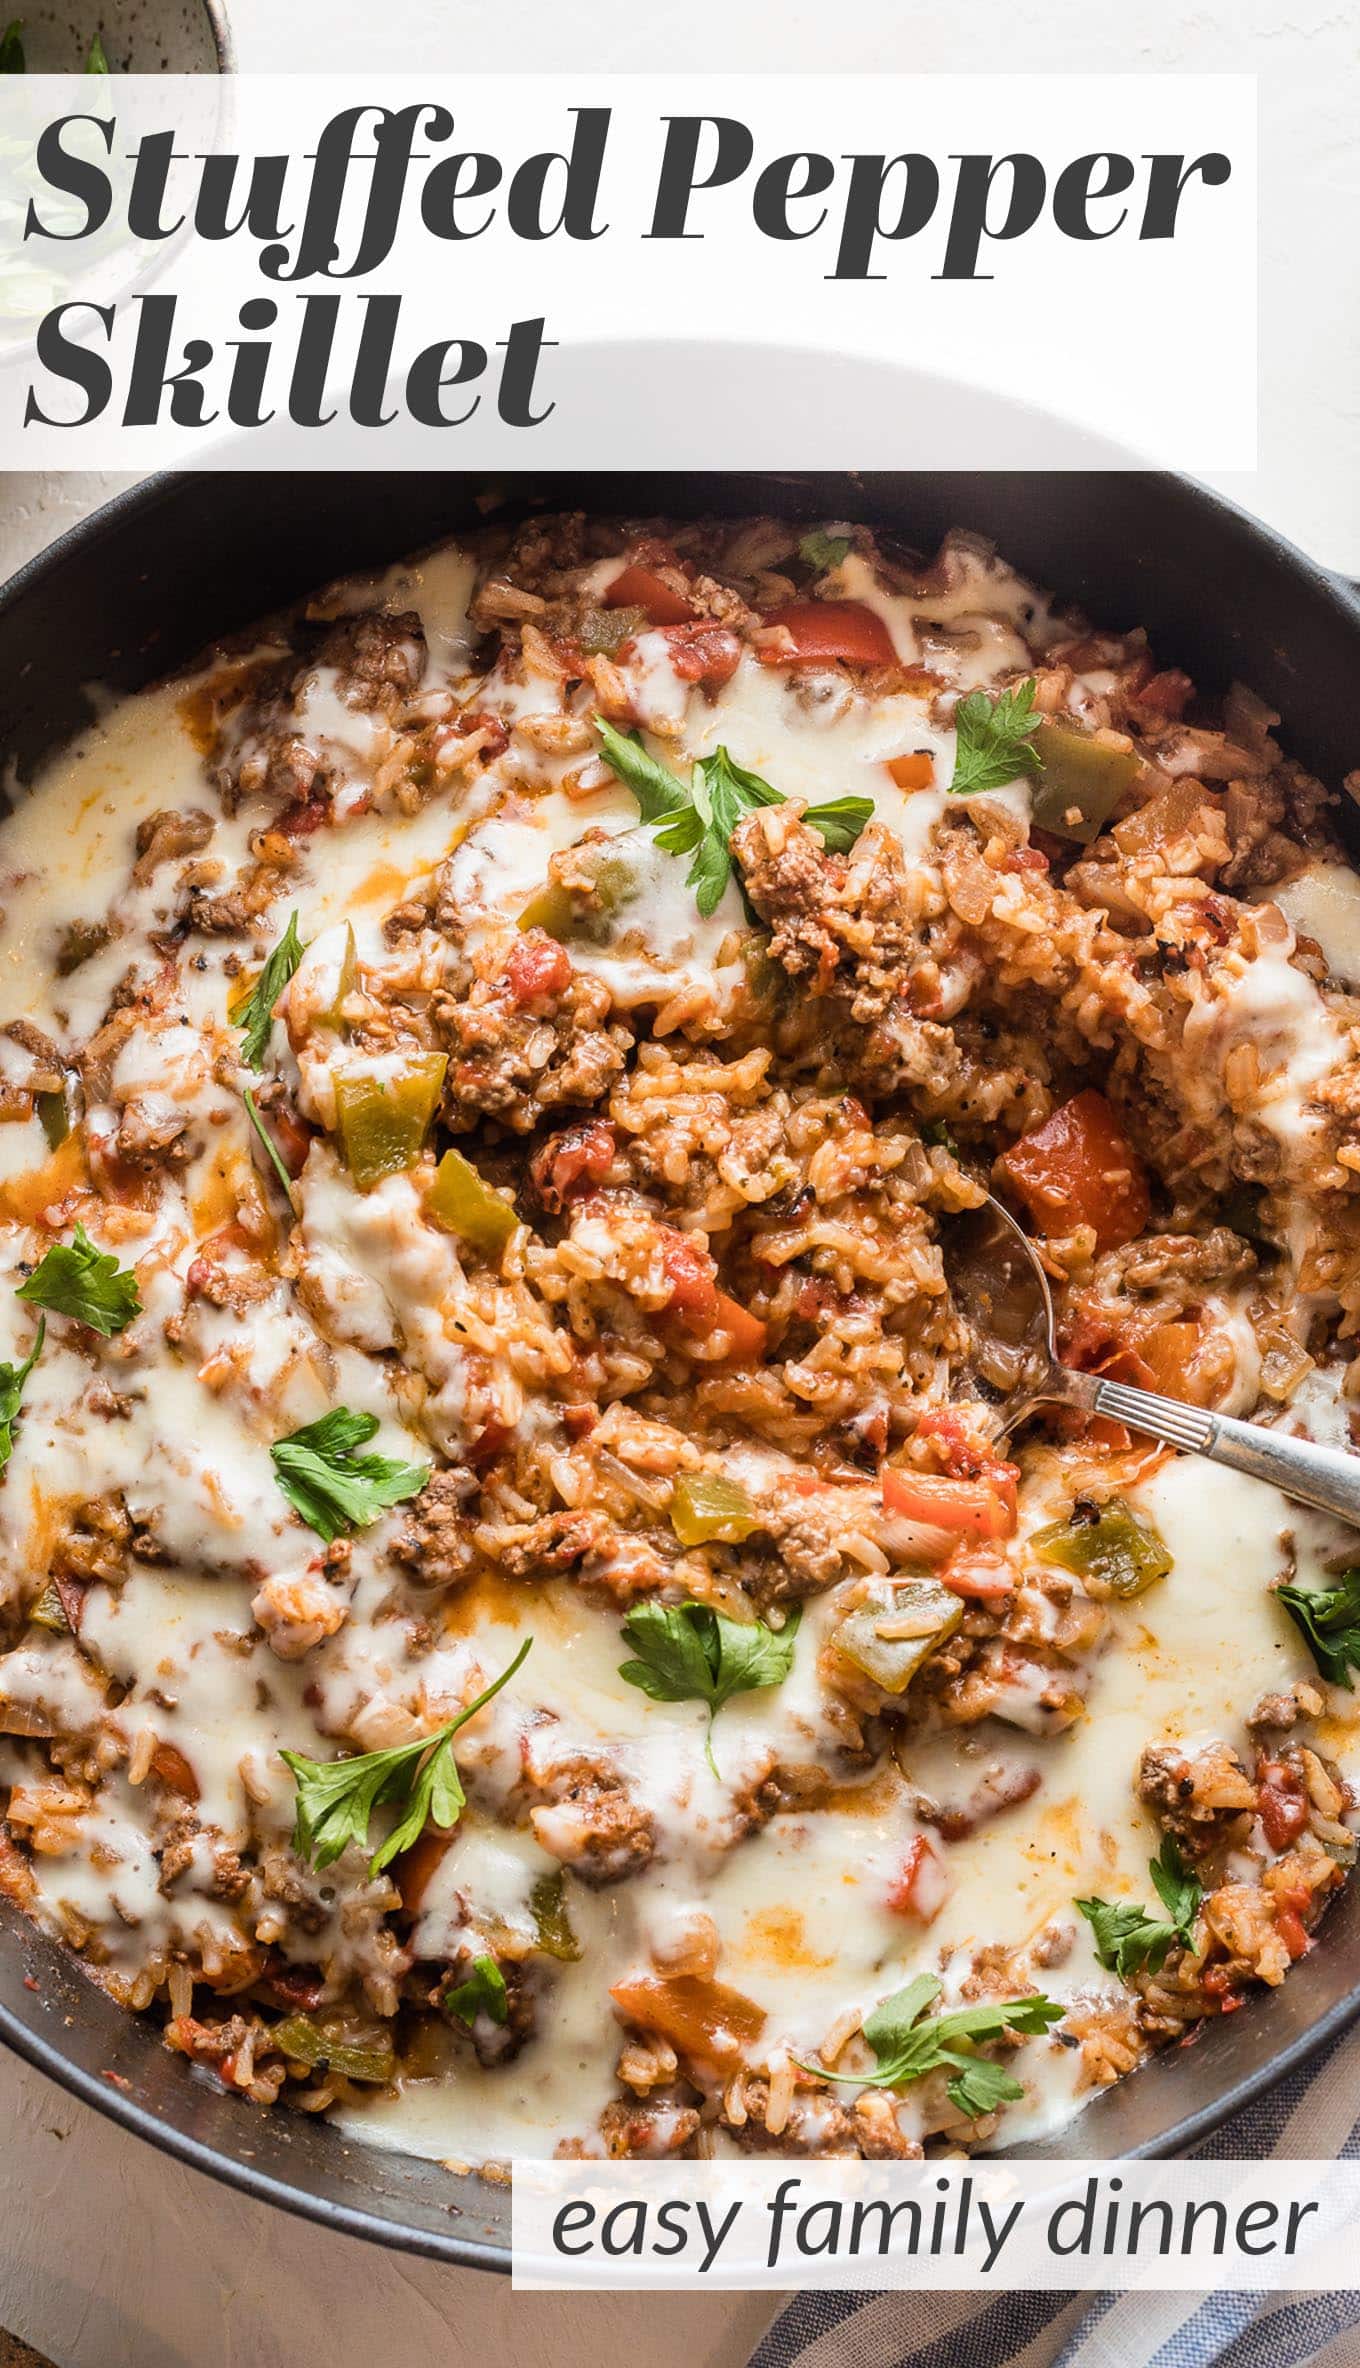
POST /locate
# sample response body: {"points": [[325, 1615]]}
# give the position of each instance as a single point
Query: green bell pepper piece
{"points": [[548, 1907], [1112, 1546], [384, 1120], [707, 1509], [49, 1611], [1081, 773], [919, 1617], [307, 2041], [460, 1199], [54, 1118], [616, 871]]}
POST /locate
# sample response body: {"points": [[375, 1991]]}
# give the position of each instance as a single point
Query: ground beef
{"points": [[589, 1820], [167, 834], [517, 1065], [1207, 1801], [432, 1542], [152, 1140], [560, 1541]]}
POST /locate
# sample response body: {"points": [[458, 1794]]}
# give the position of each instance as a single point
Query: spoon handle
{"points": [[1328, 1477]]}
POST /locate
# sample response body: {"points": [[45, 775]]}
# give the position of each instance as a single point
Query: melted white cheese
{"points": [[802, 1905]]}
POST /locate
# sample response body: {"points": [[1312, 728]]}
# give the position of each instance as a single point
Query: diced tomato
{"points": [[982, 1509], [1166, 695], [1283, 1804], [978, 1574], [300, 1986], [170, 1764], [1289, 1925], [913, 772], [1026, 859], [537, 966], [1216, 1982], [922, 1886], [956, 1448], [579, 1156], [746, 1332], [824, 629], [292, 1135], [638, 587], [492, 729], [491, 1441], [305, 815], [1078, 1168], [704, 652], [690, 1273], [702, 1305], [701, 2018]]}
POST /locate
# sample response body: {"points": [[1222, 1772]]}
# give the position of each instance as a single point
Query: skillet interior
{"points": [[139, 589]]}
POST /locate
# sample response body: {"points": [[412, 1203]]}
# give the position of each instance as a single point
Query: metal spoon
{"points": [[1001, 1288]]}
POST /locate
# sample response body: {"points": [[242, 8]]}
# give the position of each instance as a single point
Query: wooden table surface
{"points": [[113, 2256]]}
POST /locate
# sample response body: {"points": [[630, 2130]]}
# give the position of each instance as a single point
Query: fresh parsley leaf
{"points": [[12, 1379], [907, 2044], [95, 60], [822, 550], [333, 1488], [710, 872], [699, 819], [1178, 1888], [1129, 1940], [993, 740], [336, 1798], [12, 59], [733, 791], [687, 1652], [253, 1114], [75, 1279], [840, 822], [1330, 1620], [659, 792], [980, 2086], [254, 1016], [482, 1993]]}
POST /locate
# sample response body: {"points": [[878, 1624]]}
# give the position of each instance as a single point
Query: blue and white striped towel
{"points": [[1315, 2114]]}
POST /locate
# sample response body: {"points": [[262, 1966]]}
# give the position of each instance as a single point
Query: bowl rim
{"points": [[465, 2250], [223, 39]]}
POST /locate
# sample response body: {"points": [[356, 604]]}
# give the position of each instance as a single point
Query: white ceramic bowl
{"points": [[139, 36]]}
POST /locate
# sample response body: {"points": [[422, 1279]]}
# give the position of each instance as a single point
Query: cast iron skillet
{"points": [[140, 588]]}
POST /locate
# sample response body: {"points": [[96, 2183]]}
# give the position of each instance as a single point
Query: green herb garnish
{"points": [[993, 744], [482, 1993], [687, 1652], [907, 2047], [254, 1016], [336, 1798], [699, 818], [333, 1488], [12, 1379], [1330, 1620], [1130, 1941], [275, 1156], [13, 60], [75, 1279], [822, 550]]}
